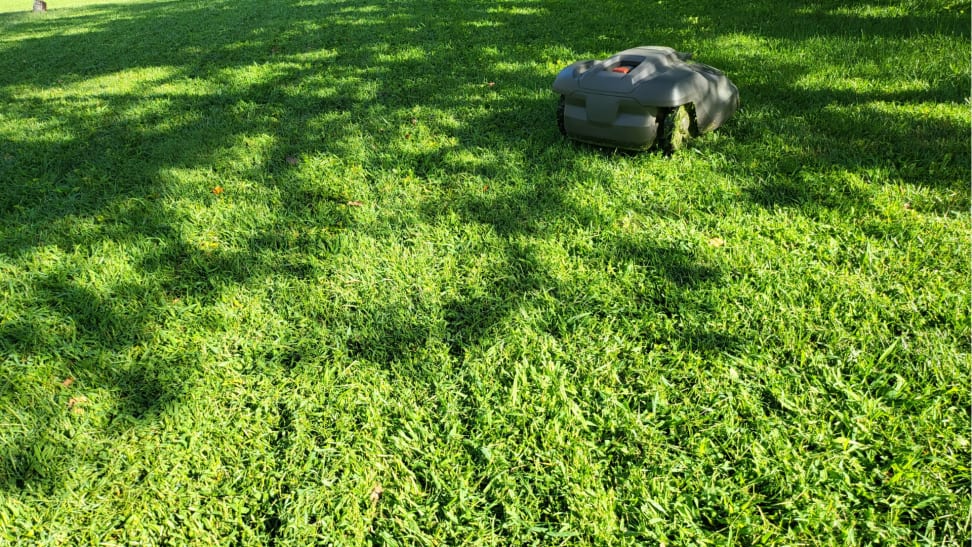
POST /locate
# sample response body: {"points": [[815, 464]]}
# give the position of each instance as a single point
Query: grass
{"points": [[324, 272]]}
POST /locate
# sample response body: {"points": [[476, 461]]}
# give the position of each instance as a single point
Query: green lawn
{"points": [[325, 272]]}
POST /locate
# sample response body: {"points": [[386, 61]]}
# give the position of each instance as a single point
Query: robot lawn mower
{"points": [[641, 98]]}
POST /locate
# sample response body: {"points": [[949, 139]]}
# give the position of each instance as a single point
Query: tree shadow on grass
{"points": [[523, 218], [479, 319], [74, 340], [48, 431], [97, 170], [833, 155], [809, 138]]}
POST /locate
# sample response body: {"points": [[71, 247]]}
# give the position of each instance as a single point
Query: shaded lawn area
{"points": [[324, 272]]}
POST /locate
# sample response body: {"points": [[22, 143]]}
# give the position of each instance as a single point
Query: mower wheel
{"points": [[676, 128]]}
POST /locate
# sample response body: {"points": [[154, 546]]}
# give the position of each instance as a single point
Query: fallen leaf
{"points": [[485, 188], [67, 382], [75, 404], [218, 190], [208, 246], [376, 492], [907, 206], [491, 84], [717, 242], [292, 160], [355, 203], [414, 121]]}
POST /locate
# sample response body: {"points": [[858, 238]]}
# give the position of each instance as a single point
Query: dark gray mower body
{"points": [[643, 97]]}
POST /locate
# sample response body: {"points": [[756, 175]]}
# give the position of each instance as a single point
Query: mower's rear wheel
{"points": [[676, 128], [561, 107]]}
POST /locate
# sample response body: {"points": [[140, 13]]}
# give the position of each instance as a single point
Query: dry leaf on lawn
{"points": [[75, 404], [376, 492]]}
